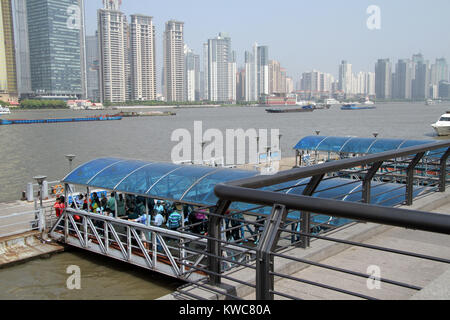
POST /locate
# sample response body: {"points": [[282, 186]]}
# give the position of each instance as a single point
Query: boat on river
{"points": [[308, 108], [354, 106], [4, 110], [442, 126], [24, 121]]}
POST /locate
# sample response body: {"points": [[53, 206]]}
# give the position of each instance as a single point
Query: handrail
{"points": [[305, 172], [413, 219]]}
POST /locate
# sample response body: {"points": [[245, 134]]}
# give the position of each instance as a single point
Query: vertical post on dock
{"points": [[410, 178], [443, 171]]}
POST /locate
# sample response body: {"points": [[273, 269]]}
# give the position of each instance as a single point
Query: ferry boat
{"points": [[24, 121], [308, 108], [4, 110], [354, 106], [442, 126]]}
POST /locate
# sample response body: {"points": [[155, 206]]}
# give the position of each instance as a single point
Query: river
{"points": [[40, 149]]}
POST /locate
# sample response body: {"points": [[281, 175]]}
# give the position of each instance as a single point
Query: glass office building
{"points": [[56, 50]]}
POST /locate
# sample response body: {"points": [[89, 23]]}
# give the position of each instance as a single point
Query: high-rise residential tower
{"points": [[345, 77], [402, 79], [383, 79], [56, 42], [113, 51], [257, 72], [93, 68], [221, 69], [8, 80], [22, 48], [421, 81], [192, 75], [173, 45], [143, 67]]}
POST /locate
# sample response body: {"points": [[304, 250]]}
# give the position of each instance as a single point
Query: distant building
{"points": [[257, 72], [192, 75], [240, 85], [221, 69], [8, 75], [113, 44], [56, 42], [444, 89], [142, 56], [174, 61], [383, 79], [345, 78], [421, 81], [402, 80], [93, 68], [22, 48]]}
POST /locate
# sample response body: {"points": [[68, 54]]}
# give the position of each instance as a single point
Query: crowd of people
{"points": [[163, 214]]}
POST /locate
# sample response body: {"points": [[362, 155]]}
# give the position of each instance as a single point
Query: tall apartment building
{"points": [[221, 69], [56, 43], [346, 78], [402, 79], [8, 80], [173, 44], [257, 72], [113, 50], [421, 81], [142, 56], [22, 48], [383, 79], [277, 78], [92, 68], [192, 75]]}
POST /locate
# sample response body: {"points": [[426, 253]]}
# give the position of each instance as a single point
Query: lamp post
{"points": [[70, 157], [317, 132], [40, 180], [375, 134]]}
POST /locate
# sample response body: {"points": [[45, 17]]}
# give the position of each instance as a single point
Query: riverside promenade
{"points": [[431, 278]]}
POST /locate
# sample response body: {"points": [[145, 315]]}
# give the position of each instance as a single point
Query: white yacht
{"points": [[4, 110], [442, 127]]}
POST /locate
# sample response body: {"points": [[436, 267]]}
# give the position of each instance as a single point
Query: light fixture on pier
{"points": [[70, 157], [40, 180], [317, 132], [375, 134]]}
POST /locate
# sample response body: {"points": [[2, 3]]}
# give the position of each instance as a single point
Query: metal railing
{"points": [[21, 222], [170, 252], [280, 232]]}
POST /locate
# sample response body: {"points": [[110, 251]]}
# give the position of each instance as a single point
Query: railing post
{"points": [[443, 171], [264, 257], [214, 245], [410, 178], [305, 217], [367, 182]]}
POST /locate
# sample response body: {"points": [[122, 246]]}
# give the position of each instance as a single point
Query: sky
{"points": [[304, 35]]}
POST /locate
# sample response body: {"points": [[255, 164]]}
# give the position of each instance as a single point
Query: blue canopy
{"points": [[195, 184], [358, 145]]}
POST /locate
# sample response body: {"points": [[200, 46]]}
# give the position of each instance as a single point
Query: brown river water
{"points": [[40, 149]]}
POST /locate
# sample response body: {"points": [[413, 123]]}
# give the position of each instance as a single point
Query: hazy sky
{"points": [[304, 35]]}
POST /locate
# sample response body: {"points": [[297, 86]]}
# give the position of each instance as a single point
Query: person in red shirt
{"points": [[59, 206]]}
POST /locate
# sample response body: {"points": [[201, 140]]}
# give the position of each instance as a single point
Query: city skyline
{"points": [[338, 29]]}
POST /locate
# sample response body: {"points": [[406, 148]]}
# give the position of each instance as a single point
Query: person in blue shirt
{"points": [[174, 220]]}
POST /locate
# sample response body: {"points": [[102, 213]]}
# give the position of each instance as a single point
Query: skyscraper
{"points": [[113, 45], [143, 67], [402, 79], [383, 79], [173, 44], [256, 72], [221, 69], [421, 81], [192, 75], [345, 77], [22, 48], [93, 68], [55, 32], [8, 82]]}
